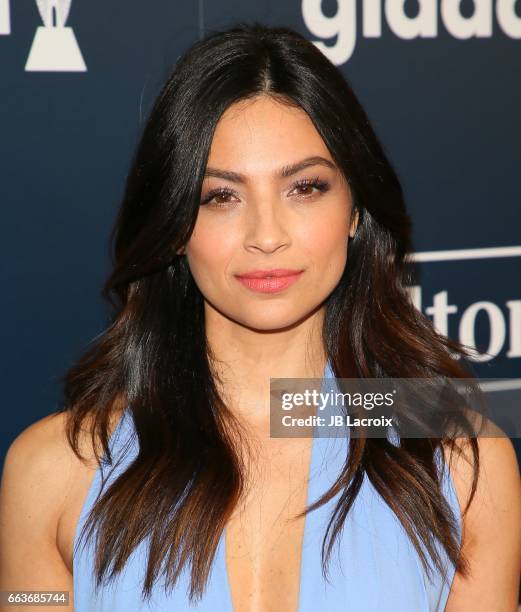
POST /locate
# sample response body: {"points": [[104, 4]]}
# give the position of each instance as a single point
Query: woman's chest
{"points": [[263, 539], [267, 561]]}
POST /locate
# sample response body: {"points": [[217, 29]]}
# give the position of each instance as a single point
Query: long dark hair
{"points": [[154, 358]]}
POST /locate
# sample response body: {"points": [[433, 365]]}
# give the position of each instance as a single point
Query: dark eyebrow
{"points": [[284, 172]]}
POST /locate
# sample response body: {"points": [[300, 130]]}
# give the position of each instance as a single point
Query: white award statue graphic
{"points": [[54, 47]]}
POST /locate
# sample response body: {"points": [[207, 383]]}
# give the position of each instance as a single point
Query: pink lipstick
{"points": [[269, 281]]}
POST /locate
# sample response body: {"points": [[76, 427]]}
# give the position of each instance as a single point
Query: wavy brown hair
{"points": [[154, 358]]}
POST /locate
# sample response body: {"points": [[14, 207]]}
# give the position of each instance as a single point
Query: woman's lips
{"points": [[269, 284]]}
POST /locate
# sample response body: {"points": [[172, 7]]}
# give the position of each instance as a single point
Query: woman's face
{"points": [[272, 198]]}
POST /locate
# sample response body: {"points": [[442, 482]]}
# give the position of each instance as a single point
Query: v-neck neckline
{"points": [[328, 373]]}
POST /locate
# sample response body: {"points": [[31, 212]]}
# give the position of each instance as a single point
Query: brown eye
{"points": [[217, 198], [220, 198], [307, 187]]}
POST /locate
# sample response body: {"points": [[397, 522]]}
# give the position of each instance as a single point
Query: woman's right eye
{"points": [[216, 195]]}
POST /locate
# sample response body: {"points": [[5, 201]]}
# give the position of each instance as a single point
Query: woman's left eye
{"points": [[306, 187]]}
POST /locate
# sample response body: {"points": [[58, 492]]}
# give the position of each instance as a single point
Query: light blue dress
{"points": [[374, 568]]}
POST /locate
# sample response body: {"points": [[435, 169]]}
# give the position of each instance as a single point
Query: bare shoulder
{"points": [[37, 470], [42, 488], [40, 457], [491, 525], [39, 463]]}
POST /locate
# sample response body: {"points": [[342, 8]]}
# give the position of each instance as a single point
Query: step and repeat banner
{"points": [[440, 80]]}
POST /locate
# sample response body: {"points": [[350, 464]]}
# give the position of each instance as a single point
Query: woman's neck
{"points": [[245, 359]]}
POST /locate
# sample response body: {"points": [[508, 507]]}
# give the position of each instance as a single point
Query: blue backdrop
{"points": [[439, 80]]}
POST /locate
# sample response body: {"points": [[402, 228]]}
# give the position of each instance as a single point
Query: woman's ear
{"points": [[181, 251], [354, 224]]}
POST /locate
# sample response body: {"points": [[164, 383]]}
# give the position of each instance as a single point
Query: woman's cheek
{"points": [[325, 238]]}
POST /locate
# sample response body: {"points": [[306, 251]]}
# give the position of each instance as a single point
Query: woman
{"points": [[256, 157]]}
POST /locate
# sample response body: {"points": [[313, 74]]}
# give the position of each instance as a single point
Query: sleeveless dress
{"points": [[373, 566]]}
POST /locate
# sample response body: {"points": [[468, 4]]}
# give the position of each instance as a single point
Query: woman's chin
{"points": [[265, 320]]}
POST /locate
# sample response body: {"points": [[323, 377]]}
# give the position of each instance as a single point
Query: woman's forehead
{"points": [[262, 135]]}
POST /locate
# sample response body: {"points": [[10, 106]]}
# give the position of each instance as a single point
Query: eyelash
{"points": [[322, 186]]}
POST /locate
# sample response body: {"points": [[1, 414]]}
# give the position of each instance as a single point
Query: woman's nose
{"points": [[266, 226]]}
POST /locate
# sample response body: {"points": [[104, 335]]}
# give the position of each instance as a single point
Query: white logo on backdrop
{"points": [[5, 17], [504, 328], [54, 47], [342, 25]]}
